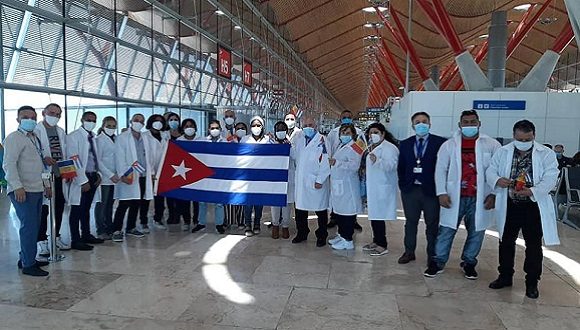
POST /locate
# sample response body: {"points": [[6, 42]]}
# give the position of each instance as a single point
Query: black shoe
{"points": [[469, 271], [432, 270], [37, 264], [320, 242], [248, 231], [197, 228], [34, 271], [406, 258], [81, 246], [299, 239], [257, 229], [331, 223], [92, 240], [357, 227], [500, 283], [532, 290], [220, 229]]}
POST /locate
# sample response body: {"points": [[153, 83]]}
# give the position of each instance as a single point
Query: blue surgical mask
{"points": [[309, 132], [28, 125], [346, 121], [173, 124], [422, 129], [344, 139], [559, 155], [470, 131]]}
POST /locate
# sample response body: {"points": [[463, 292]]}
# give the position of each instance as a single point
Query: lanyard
{"points": [[37, 145], [420, 152]]}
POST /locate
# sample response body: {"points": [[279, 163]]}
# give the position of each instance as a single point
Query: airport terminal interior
{"points": [[381, 61]]}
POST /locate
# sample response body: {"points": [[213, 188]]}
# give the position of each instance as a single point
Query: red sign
{"points": [[247, 74], [224, 62]]}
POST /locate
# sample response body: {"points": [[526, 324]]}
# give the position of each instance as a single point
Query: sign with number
{"points": [[224, 62], [247, 71]]}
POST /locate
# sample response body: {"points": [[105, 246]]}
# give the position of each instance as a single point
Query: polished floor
{"points": [[210, 281]]}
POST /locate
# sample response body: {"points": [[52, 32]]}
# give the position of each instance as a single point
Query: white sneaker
{"points": [[337, 239], [43, 250], [343, 245], [159, 225], [185, 227], [62, 245]]}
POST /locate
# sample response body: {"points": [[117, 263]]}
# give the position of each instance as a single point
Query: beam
{"points": [[388, 55], [325, 25], [388, 79], [19, 43], [564, 38], [447, 26], [357, 39], [330, 39], [380, 84], [523, 29]]}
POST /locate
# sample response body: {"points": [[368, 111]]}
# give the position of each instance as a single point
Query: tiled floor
{"points": [[207, 281]]}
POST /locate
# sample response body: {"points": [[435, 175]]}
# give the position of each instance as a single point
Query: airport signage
{"points": [[224, 62], [498, 105], [247, 71], [375, 110]]}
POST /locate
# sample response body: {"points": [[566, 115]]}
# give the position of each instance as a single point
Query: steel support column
{"points": [[447, 26], [166, 69], [112, 59], [395, 90], [19, 43]]}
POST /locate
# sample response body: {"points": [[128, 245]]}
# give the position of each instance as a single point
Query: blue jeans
{"points": [[28, 213], [248, 214], [104, 211], [219, 213], [472, 243]]}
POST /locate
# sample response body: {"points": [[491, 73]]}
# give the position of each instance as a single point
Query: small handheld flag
{"points": [[138, 167], [359, 146], [77, 161], [67, 169], [129, 174]]}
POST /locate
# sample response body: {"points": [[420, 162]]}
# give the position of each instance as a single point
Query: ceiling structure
{"points": [[330, 35]]}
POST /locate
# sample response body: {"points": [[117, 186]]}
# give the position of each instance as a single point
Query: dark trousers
{"points": [[345, 225], [415, 201], [379, 228], [59, 205], [257, 214], [179, 209], [104, 210], [524, 216], [159, 204], [234, 215], [135, 206], [82, 213], [302, 229]]}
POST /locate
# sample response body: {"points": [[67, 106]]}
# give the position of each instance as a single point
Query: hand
{"points": [[115, 178], [445, 201], [373, 158], [332, 161], [524, 192], [503, 182], [317, 185], [98, 182], [125, 180], [49, 161], [489, 203], [20, 195], [48, 192], [86, 187]]}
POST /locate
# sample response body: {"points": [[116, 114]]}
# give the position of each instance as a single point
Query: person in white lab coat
{"points": [[257, 136], [82, 145], [228, 132], [379, 170], [293, 130], [281, 215], [312, 181], [523, 173], [136, 154], [189, 128], [106, 156], [345, 194], [157, 133], [463, 193]]}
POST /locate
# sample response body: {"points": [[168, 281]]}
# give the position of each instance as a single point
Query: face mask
{"points": [[51, 120], [375, 138], [28, 124], [241, 133], [309, 132], [214, 132], [173, 124], [190, 131], [559, 155], [157, 125], [110, 131], [344, 139], [229, 120], [256, 130], [291, 123], [470, 131], [346, 121], [89, 125], [523, 146], [281, 135], [137, 126], [421, 129]]}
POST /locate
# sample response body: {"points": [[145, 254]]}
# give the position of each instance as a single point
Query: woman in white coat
{"points": [[281, 215], [106, 156], [379, 165], [523, 173], [136, 155], [345, 196], [157, 132]]}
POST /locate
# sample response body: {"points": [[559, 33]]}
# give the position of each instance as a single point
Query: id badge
{"points": [[417, 170]]}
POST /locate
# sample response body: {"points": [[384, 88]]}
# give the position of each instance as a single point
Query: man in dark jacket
{"points": [[416, 169]]}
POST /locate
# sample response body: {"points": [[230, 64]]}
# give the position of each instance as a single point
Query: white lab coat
{"points": [[381, 182], [333, 139], [106, 156], [448, 179], [251, 140], [77, 144], [345, 196], [545, 171], [311, 167], [126, 155], [40, 132]]}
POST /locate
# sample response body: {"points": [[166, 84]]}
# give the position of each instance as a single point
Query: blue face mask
{"points": [[344, 139], [470, 131], [309, 132], [173, 124], [422, 129], [28, 125], [346, 121]]}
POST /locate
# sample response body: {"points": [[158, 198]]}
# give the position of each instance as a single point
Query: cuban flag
{"points": [[225, 173]]}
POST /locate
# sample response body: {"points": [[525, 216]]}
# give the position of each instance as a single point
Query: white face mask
{"points": [[523, 146], [110, 131], [51, 120], [241, 133], [89, 125], [375, 138], [190, 131], [137, 126], [280, 135], [229, 120], [214, 132], [256, 131], [157, 125], [290, 122]]}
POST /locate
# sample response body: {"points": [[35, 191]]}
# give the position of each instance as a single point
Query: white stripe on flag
{"points": [[252, 162], [240, 186]]}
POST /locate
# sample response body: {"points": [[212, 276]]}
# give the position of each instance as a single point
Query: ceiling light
{"points": [[523, 7], [373, 25], [372, 9], [219, 12], [371, 37], [237, 27], [483, 36]]}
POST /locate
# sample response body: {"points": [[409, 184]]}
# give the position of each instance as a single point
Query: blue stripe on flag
{"points": [[250, 174], [235, 149], [228, 198]]}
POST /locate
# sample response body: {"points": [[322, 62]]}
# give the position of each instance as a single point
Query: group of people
{"points": [[469, 177]]}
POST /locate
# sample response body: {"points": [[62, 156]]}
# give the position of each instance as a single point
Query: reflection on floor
{"points": [[210, 281]]}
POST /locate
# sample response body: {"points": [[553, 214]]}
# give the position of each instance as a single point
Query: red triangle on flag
{"points": [[179, 169]]}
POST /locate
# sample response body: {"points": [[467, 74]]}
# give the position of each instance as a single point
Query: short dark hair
{"points": [[189, 120], [466, 113], [280, 124], [346, 111], [52, 105], [348, 126], [547, 145], [214, 121], [241, 123], [525, 126], [420, 113], [88, 113], [559, 145], [25, 108], [388, 136]]}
